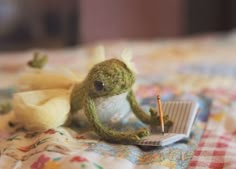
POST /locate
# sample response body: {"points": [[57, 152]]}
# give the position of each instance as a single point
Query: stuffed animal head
{"points": [[110, 77]]}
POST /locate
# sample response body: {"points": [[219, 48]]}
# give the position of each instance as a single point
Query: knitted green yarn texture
{"points": [[77, 97], [108, 78], [108, 134], [144, 117], [113, 76]]}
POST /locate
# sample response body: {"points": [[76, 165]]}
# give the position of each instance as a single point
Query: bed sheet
{"points": [[194, 68]]}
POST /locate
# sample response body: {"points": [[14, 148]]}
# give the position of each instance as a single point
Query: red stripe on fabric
{"points": [[211, 165], [218, 153], [197, 152], [206, 134], [213, 153], [217, 144], [226, 137], [210, 153], [201, 144], [193, 163], [216, 165], [221, 145]]}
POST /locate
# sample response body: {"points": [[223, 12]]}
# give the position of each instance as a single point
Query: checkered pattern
{"points": [[215, 151]]}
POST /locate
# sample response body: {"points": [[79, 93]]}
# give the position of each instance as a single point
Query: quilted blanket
{"points": [[201, 69]]}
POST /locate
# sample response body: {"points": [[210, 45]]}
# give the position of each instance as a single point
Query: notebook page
{"points": [[181, 113]]}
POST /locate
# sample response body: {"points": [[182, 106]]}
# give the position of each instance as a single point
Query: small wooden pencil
{"points": [[160, 113]]}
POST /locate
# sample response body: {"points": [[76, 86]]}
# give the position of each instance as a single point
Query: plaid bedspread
{"points": [[201, 69]]}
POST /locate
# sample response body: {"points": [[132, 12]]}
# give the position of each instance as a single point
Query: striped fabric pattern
{"points": [[215, 151]]}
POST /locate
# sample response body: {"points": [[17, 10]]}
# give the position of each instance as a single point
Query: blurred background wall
{"points": [[105, 19], [61, 23]]}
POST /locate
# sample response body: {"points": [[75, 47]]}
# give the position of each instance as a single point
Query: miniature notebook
{"points": [[182, 114]]}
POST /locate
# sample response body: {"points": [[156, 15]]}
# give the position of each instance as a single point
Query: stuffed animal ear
{"points": [[126, 53], [126, 57], [97, 55]]}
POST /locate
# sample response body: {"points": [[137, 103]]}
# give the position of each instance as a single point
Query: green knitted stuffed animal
{"points": [[107, 90], [106, 82]]}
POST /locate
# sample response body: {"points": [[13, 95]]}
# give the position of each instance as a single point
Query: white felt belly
{"points": [[109, 109]]}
